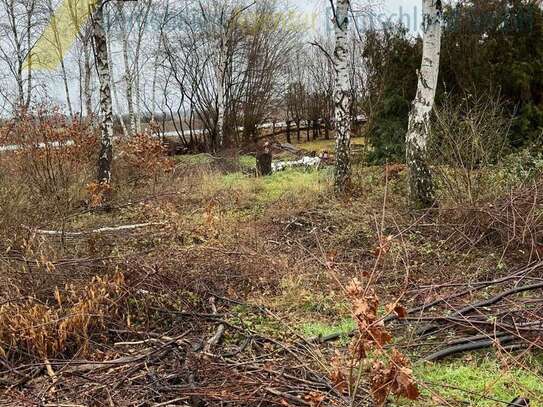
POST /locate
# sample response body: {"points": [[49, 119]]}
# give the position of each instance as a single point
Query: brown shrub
{"points": [[34, 328], [143, 157], [50, 153]]}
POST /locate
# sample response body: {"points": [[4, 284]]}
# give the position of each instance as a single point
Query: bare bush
{"points": [[49, 153], [468, 137], [511, 221]]}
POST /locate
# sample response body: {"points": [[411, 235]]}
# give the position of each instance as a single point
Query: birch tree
{"points": [[342, 97], [128, 71], [106, 123], [87, 90], [420, 177]]}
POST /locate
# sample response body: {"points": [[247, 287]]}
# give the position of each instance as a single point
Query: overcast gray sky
{"points": [[390, 10], [406, 11]]}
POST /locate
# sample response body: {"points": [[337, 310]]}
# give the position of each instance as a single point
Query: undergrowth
{"points": [[218, 230]]}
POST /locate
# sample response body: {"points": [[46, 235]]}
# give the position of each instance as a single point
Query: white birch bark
{"points": [[137, 65], [157, 61], [221, 97], [420, 178], [106, 124], [16, 39], [87, 74], [114, 92], [30, 12], [342, 98], [128, 74], [137, 83]]}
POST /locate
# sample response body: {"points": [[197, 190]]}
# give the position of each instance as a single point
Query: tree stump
{"points": [[288, 132], [264, 161]]}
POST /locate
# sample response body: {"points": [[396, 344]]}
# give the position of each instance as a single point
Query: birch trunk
{"points": [[137, 83], [221, 97], [106, 124], [154, 86], [20, 59], [29, 50], [87, 94], [128, 74], [114, 90], [420, 177], [342, 98], [137, 72]]}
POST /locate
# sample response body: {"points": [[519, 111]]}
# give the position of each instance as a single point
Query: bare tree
{"points": [[132, 20], [420, 178], [296, 88], [321, 84], [19, 22], [59, 51], [128, 71], [266, 45], [220, 18]]}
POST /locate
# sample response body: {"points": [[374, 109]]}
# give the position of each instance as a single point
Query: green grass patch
{"points": [[194, 159], [243, 315], [321, 329], [476, 384], [266, 190], [247, 161], [326, 145]]}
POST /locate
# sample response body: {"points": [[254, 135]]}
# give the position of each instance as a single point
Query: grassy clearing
{"points": [[290, 184], [327, 145], [194, 159], [247, 161]]}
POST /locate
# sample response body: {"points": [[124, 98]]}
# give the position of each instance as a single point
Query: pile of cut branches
{"points": [[510, 317], [215, 361]]}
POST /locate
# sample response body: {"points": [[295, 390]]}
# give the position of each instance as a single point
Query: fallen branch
{"points": [[147, 354], [498, 298], [215, 339], [475, 287], [484, 303], [474, 338], [109, 229], [286, 396]]}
